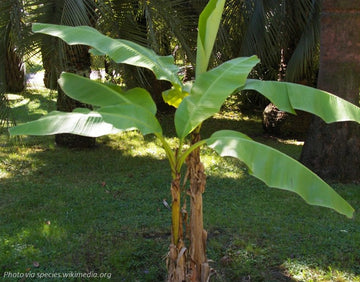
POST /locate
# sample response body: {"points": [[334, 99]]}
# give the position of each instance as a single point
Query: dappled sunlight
{"points": [[79, 206], [223, 167], [291, 147], [25, 243], [35, 80], [4, 174], [290, 142], [250, 125], [29, 248], [17, 245], [31, 104], [235, 115], [19, 162], [132, 143], [52, 232], [307, 270]]}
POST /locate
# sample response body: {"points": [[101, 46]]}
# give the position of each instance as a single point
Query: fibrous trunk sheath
{"points": [[189, 264], [199, 267], [176, 263]]}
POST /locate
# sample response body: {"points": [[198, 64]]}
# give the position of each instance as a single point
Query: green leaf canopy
{"points": [[121, 51], [209, 21], [131, 116], [209, 92], [96, 93], [278, 170], [118, 111], [81, 122], [290, 96]]}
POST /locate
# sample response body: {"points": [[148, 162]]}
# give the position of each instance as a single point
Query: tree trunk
{"points": [[199, 267], [77, 60], [189, 264], [333, 151], [176, 262], [14, 71], [49, 65]]}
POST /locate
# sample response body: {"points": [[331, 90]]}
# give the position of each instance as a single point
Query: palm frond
{"points": [[180, 25], [124, 21], [291, 26], [302, 60], [6, 119]]}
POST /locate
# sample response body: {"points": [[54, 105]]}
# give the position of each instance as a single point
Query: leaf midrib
{"points": [[203, 96]]}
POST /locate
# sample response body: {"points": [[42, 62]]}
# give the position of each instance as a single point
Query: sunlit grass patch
{"points": [[32, 104], [310, 271], [132, 143], [17, 161], [222, 167]]}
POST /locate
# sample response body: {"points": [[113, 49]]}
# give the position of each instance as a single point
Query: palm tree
{"points": [[333, 150], [285, 35], [150, 24], [11, 34], [58, 57], [12, 70]]}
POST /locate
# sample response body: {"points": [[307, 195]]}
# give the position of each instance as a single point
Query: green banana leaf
{"points": [[107, 120], [96, 93], [121, 51], [290, 96], [118, 111], [278, 170], [131, 116], [209, 21], [209, 92], [80, 121]]}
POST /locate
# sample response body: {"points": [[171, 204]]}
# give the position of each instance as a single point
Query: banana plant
{"points": [[119, 110]]}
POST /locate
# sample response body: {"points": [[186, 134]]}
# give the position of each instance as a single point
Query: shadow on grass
{"points": [[32, 104], [101, 210], [82, 211]]}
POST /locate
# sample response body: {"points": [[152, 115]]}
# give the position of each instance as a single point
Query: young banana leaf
{"points": [[209, 21], [209, 92]]}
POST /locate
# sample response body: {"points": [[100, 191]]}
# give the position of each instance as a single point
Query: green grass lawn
{"points": [[100, 211]]}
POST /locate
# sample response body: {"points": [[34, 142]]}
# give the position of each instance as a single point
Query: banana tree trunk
{"points": [[189, 263], [176, 262], [200, 269]]}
